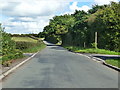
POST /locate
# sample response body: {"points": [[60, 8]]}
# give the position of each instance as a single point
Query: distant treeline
{"points": [[79, 29], [24, 35]]}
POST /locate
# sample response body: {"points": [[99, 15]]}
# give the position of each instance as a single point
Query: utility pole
{"points": [[96, 34]]}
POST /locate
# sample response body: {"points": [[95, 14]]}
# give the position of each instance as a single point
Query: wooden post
{"points": [[96, 40]]}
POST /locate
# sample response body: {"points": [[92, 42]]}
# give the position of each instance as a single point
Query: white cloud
{"points": [[101, 2], [21, 26], [74, 7], [68, 12], [26, 19], [26, 24], [30, 7], [26, 16]]}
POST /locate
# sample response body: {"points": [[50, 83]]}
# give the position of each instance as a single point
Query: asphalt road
{"points": [[55, 67]]}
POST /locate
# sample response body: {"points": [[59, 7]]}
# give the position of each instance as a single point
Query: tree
{"points": [[7, 44], [58, 27], [107, 23], [95, 8], [79, 29]]}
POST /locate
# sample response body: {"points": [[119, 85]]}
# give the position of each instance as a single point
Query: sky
{"points": [[31, 16]]}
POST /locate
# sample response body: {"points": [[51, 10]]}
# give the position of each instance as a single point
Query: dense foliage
{"points": [[107, 23], [79, 29], [8, 48]]}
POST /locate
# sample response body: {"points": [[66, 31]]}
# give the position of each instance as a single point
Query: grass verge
{"points": [[91, 50], [35, 48], [114, 62]]}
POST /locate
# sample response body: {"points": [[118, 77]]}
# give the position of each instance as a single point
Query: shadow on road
{"points": [[58, 48], [52, 45], [108, 57]]}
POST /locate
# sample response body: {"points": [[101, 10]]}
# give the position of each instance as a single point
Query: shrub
{"points": [[24, 45], [21, 45], [7, 58]]}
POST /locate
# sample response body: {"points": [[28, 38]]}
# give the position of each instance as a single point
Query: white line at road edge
{"points": [[15, 67]]}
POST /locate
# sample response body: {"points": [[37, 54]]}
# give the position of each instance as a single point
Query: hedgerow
{"points": [[22, 45]]}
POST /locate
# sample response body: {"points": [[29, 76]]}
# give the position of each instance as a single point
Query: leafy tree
{"points": [[59, 26], [7, 44], [80, 28], [8, 49], [107, 23], [95, 8]]}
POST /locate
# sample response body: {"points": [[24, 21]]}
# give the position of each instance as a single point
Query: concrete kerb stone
{"points": [[15, 67], [111, 66]]}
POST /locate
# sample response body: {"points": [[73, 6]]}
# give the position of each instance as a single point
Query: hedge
{"points": [[21, 45]]}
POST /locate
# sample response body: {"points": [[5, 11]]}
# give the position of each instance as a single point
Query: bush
{"points": [[6, 58], [24, 45]]}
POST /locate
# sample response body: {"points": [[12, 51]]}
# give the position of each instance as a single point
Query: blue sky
{"points": [[31, 16]]}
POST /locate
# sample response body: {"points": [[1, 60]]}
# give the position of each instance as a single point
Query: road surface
{"points": [[55, 67]]}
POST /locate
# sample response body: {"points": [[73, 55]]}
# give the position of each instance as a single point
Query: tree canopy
{"points": [[79, 29]]}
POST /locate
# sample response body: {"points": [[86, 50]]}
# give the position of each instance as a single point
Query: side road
{"points": [[102, 58]]}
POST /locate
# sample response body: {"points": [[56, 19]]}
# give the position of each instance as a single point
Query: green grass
{"points": [[35, 48], [98, 51], [114, 62], [25, 39], [91, 50]]}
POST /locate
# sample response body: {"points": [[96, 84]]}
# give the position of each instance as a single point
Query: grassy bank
{"points": [[114, 62], [24, 39], [28, 45], [91, 50]]}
